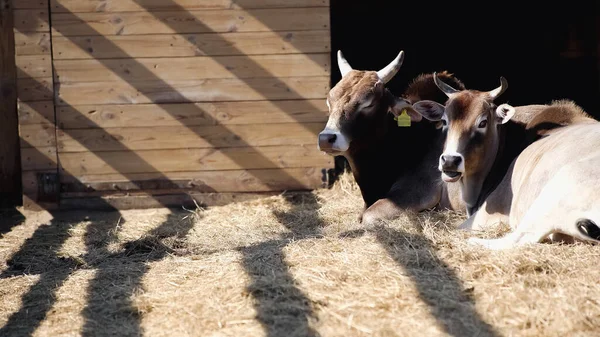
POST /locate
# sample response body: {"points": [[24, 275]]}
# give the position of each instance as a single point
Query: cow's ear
{"points": [[431, 110], [504, 113], [400, 105]]}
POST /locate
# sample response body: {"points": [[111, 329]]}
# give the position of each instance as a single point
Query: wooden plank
{"points": [[32, 43], [180, 45], [184, 160], [31, 113], [189, 68], [198, 114], [207, 181], [152, 200], [37, 135], [34, 89], [76, 6], [10, 170], [201, 90], [30, 4], [34, 66], [38, 159], [32, 20], [175, 137], [184, 22]]}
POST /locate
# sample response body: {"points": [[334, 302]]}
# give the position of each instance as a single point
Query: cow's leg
{"points": [[381, 210]]}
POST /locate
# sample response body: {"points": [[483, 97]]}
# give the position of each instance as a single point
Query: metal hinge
{"points": [[48, 187]]}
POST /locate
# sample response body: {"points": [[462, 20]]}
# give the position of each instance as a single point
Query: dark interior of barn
{"points": [[546, 52]]}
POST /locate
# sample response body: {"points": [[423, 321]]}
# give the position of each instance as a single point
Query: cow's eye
{"points": [[483, 124]]}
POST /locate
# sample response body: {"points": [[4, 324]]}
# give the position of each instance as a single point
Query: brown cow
{"points": [[393, 166], [550, 186]]}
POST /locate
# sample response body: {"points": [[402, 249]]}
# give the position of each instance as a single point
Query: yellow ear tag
{"points": [[403, 119]]}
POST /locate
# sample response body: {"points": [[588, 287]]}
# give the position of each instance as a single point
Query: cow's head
{"points": [[470, 119], [358, 105]]}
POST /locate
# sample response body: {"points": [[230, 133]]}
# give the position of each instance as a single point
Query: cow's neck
{"points": [[512, 139], [398, 152]]}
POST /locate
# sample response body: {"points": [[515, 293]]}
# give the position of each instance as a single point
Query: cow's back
{"points": [[577, 144]]}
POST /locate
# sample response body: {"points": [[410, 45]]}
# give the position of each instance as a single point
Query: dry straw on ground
{"points": [[291, 265]]}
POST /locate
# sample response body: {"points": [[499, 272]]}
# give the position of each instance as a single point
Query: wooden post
{"points": [[10, 161]]}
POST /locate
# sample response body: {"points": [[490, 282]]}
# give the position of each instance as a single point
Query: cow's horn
{"points": [[343, 64], [387, 73], [445, 88], [498, 91]]}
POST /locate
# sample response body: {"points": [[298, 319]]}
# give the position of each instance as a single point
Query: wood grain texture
{"points": [[38, 159], [35, 89], [185, 68], [185, 22], [30, 4], [202, 90], [32, 20], [76, 6], [198, 114], [181, 45], [175, 137], [205, 181], [32, 43], [37, 135], [31, 113], [10, 171], [34, 66], [185, 160]]}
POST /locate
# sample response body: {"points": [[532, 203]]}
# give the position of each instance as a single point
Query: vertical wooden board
{"points": [[35, 89], [182, 22], [37, 135], [32, 20], [38, 159], [32, 43], [75, 6], [34, 66], [31, 113], [10, 170]]}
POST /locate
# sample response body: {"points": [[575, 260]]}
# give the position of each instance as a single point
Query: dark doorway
{"points": [[546, 52]]}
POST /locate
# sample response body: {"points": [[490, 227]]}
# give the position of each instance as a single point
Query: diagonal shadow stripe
{"points": [[281, 307], [438, 285], [109, 307]]}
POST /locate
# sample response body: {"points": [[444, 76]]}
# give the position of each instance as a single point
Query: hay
{"points": [[291, 265]]}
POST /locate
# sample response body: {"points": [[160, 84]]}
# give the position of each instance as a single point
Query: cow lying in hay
{"points": [[394, 164], [549, 187]]}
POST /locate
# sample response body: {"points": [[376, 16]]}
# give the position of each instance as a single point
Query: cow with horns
{"points": [[546, 156], [392, 151]]}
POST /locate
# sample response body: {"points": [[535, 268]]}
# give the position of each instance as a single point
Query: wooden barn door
{"points": [[155, 101]]}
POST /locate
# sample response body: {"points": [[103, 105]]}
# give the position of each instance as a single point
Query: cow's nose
{"points": [[326, 140], [450, 162]]}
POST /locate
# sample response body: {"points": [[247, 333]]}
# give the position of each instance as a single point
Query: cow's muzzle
{"points": [[452, 167], [332, 142]]}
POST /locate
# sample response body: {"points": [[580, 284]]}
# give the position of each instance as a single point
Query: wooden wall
{"points": [[159, 97]]}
